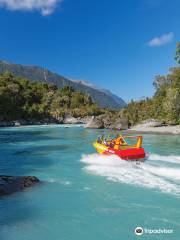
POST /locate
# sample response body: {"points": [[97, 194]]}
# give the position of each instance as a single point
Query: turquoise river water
{"points": [[84, 195]]}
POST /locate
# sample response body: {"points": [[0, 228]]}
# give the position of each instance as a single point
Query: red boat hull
{"points": [[127, 154]]}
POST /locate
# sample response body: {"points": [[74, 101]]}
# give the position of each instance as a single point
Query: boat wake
{"points": [[147, 174], [170, 158]]}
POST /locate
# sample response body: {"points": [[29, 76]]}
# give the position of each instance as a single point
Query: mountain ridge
{"points": [[104, 98]]}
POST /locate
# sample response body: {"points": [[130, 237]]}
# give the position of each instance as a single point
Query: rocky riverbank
{"points": [[12, 184], [175, 130], [108, 120], [157, 127], [66, 120]]}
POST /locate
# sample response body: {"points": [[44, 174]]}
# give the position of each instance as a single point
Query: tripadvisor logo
{"points": [[138, 231]]}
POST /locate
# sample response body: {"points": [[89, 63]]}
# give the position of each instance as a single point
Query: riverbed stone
{"points": [[12, 184]]}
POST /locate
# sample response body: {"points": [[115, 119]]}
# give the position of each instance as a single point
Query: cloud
{"points": [[45, 7], [162, 40]]}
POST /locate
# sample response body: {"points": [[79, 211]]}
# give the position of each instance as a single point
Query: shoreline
{"points": [[65, 125], [163, 130]]}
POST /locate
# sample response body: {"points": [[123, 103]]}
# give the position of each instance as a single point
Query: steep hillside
{"points": [[34, 73]]}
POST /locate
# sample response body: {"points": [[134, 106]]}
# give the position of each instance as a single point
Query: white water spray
{"points": [[170, 158], [164, 178]]}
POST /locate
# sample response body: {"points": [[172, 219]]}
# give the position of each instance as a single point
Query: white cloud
{"points": [[46, 7], [162, 40]]}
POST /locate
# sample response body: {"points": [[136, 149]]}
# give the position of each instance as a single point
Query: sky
{"points": [[119, 45]]}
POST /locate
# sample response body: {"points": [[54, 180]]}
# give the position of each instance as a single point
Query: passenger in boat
{"points": [[112, 143], [105, 142], [99, 140], [118, 142]]}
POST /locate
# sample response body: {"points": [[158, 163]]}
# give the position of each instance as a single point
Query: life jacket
{"points": [[118, 142]]}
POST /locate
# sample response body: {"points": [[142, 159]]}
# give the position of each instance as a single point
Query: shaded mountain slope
{"points": [[33, 73]]}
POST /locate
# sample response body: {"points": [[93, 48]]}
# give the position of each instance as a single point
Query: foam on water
{"points": [[166, 172], [165, 179], [169, 158], [53, 180]]}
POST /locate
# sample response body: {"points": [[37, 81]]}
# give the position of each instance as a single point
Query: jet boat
{"points": [[121, 146]]}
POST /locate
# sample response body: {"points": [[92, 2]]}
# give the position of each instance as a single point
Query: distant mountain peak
{"points": [[86, 83]]}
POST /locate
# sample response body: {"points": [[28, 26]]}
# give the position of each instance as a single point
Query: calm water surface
{"points": [[84, 195]]}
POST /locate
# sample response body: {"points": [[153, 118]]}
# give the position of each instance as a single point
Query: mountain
{"points": [[34, 73]]}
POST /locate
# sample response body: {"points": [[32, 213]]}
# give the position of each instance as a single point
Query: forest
{"points": [[22, 99]]}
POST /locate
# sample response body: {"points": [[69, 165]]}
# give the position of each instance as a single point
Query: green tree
{"points": [[177, 56]]}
